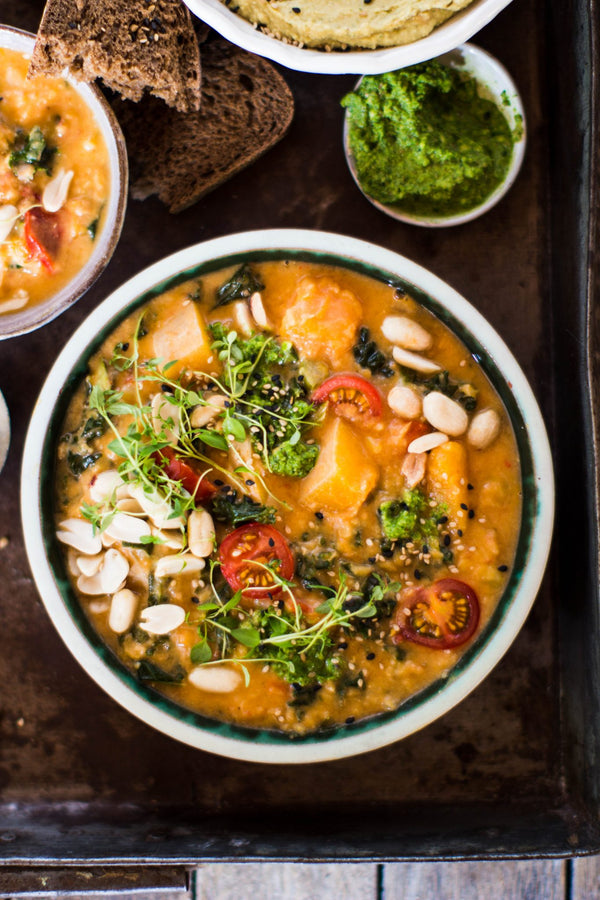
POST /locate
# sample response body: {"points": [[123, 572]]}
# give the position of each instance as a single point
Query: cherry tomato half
{"points": [[43, 234], [194, 481], [255, 543], [443, 615], [351, 396]]}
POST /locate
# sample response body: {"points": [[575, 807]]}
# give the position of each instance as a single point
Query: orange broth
{"points": [[330, 517], [47, 131]]}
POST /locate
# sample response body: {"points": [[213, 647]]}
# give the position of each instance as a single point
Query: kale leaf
{"points": [[242, 284]]}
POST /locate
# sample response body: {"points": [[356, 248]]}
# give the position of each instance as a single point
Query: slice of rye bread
{"points": [[246, 108], [134, 46]]}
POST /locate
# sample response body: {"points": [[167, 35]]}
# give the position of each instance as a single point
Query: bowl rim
{"points": [[233, 741], [473, 57], [30, 318], [459, 28]]}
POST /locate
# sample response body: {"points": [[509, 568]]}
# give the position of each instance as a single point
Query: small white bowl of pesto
{"points": [[439, 143]]}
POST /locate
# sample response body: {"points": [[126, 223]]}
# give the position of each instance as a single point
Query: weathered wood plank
{"points": [[507, 880], [585, 883], [286, 881]]}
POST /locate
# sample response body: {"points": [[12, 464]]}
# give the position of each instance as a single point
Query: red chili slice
{"points": [[255, 543], [443, 615], [351, 396], [43, 234], [185, 471]]}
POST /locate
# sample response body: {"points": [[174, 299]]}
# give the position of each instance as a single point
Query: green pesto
{"points": [[425, 140]]}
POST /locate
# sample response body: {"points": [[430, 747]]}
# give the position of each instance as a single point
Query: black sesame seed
{"points": [[271, 542], [447, 540], [469, 487], [249, 481], [463, 506], [442, 520], [370, 656], [425, 548], [195, 600], [343, 645], [319, 516], [350, 720], [295, 9], [387, 553], [460, 532], [418, 574], [471, 514], [218, 482], [372, 560], [166, 389], [503, 568]]}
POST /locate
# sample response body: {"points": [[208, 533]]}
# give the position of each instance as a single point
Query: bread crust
{"points": [[132, 47]]}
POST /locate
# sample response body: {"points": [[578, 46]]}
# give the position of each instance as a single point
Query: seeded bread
{"points": [[134, 46], [246, 108]]}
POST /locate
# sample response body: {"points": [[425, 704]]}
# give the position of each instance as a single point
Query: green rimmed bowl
{"points": [[46, 558]]}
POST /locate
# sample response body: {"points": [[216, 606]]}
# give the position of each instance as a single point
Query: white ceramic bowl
{"points": [[46, 559], [32, 317], [4, 431], [498, 86], [450, 34]]}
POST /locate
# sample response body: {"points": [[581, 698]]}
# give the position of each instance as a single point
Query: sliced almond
{"points": [[17, 302], [104, 485], [8, 216], [257, 308], [173, 540], [109, 578], [129, 505], [201, 533], [55, 192], [176, 565], [162, 618], [445, 414], [166, 418], [89, 565], [202, 415], [243, 319], [406, 333], [427, 442], [125, 527], [414, 361], [215, 679], [122, 611], [80, 535], [157, 508], [414, 467]]}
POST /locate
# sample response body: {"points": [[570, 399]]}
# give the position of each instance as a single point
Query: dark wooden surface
{"points": [[485, 778]]}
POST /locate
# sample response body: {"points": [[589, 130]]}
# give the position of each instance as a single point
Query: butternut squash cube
{"points": [[344, 474], [183, 336], [447, 479]]}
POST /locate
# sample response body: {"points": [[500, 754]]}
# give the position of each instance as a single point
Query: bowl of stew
{"points": [[63, 188], [287, 496]]}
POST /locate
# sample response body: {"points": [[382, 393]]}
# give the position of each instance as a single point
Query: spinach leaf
{"points": [[242, 284], [231, 508], [32, 150], [79, 462], [149, 671]]}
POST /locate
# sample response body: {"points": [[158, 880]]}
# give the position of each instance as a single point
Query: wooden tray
{"points": [[512, 771]]}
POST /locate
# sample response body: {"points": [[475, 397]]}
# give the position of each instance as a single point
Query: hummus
{"points": [[348, 23]]}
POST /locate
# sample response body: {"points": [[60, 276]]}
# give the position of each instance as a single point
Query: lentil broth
{"points": [[47, 134], [347, 570]]}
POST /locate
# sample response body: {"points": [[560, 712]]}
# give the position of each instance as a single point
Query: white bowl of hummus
{"points": [[347, 36]]}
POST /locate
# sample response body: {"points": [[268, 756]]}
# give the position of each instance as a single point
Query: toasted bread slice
{"points": [[133, 46], [246, 108]]}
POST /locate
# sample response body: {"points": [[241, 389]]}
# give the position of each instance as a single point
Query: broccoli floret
{"points": [[409, 518], [295, 460]]}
